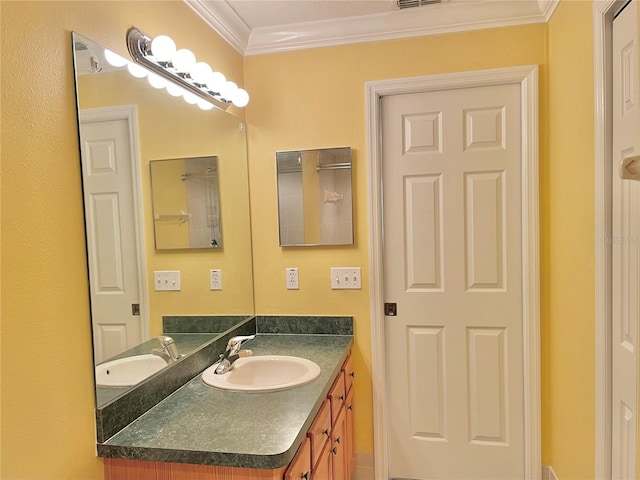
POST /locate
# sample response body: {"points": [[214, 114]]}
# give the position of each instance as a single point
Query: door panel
{"points": [[625, 244], [451, 164], [111, 242]]}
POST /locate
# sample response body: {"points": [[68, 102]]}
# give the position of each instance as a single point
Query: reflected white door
{"points": [[451, 164], [106, 149], [625, 269]]}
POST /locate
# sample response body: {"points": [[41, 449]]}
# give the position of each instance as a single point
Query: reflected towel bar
{"points": [[183, 217]]}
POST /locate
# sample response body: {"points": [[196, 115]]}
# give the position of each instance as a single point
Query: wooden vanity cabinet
{"points": [[326, 453], [332, 453], [339, 448], [121, 469], [320, 431], [300, 466], [349, 434], [322, 468], [349, 375]]}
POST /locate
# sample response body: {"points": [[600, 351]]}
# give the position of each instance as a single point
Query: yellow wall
{"points": [[568, 246], [299, 100], [315, 99], [47, 383]]}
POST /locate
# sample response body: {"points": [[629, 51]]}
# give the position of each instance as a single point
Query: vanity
{"points": [[204, 432]]}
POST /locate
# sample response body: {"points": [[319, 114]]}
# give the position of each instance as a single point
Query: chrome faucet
{"points": [[169, 350], [232, 353]]}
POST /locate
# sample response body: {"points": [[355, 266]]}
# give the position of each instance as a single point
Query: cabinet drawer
{"points": [[320, 431], [337, 397], [349, 373], [300, 467]]}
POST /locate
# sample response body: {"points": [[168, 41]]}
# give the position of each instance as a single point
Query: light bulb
{"points": [[114, 59], [190, 98], [174, 90], [227, 90], [156, 81], [204, 105], [215, 81], [200, 72], [163, 48], [183, 60], [240, 98], [136, 70]]}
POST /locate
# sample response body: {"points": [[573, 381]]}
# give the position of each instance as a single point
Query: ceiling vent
{"points": [[415, 3]]}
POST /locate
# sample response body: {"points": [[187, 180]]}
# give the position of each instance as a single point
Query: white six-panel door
{"points": [[625, 269], [451, 168], [111, 235]]}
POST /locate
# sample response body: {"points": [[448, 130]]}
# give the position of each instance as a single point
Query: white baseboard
{"points": [[548, 473], [364, 467]]}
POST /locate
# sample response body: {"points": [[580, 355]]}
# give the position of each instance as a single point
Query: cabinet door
{"points": [[338, 450], [337, 396], [300, 467], [349, 373], [322, 469], [320, 431], [349, 434]]}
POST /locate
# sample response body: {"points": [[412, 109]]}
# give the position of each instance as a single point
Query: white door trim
{"points": [[527, 77], [129, 113], [603, 12]]}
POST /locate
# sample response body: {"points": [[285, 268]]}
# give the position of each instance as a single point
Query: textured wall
{"points": [[47, 382], [569, 332]]}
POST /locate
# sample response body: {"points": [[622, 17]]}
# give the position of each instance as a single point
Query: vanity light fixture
{"points": [[194, 80]]}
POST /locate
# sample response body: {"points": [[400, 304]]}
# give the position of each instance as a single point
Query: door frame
{"points": [[527, 77], [603, 13], [129, 113]]}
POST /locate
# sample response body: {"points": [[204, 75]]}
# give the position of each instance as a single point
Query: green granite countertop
{"points": [[203, 425]]}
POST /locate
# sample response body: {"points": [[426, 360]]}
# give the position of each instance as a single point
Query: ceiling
{"points": [[265, 26]]}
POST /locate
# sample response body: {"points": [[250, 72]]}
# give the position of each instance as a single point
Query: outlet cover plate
{"points": [[215, 279], [291, 275], [346, 278]]}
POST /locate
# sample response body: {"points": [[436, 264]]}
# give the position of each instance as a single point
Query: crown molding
{"points": [[224, 20], [447, 17]]}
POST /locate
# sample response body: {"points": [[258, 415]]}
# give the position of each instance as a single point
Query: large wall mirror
{"points": [[126, 125]]}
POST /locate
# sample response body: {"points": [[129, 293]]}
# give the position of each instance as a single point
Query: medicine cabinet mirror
{"points": [[186, 203], [315, 197], [125, 124]]}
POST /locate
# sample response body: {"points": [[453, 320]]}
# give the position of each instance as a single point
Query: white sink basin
{"points": [[128, 371], [264, 373]]}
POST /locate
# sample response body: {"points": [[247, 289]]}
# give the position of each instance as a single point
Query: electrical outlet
{"points": [[215, 279], [346, 278], [167, 280], [292, 278]]}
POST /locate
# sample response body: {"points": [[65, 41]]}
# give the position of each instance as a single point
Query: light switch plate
{"points": [[346, 278], [166, 280]]}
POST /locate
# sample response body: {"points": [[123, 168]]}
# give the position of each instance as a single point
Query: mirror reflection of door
{"points": [[108, 150]]}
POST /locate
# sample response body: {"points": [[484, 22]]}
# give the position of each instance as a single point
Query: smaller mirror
{"points": [[314, 197], [186, 203]]}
